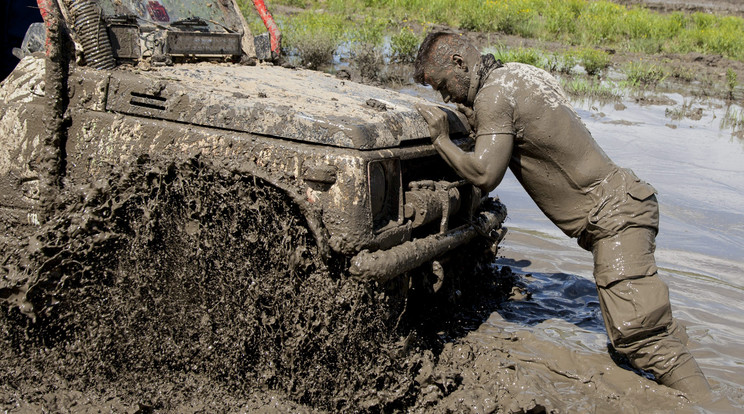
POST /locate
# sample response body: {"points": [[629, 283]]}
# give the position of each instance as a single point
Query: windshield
{"points": [[203, 15]]}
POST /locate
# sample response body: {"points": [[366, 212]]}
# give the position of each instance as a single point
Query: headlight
{"points": [[378, 191], [384, 191]]}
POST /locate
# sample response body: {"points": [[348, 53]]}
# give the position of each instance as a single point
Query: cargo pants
{"points": [[620, 233]]}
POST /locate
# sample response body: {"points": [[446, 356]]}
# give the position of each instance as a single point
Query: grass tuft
{"points": [[644, 73], [314, 37], [594, 61], [404, 45], [591, 88], [530, 56], [731, 82]]}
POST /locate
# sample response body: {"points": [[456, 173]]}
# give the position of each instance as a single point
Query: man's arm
{"points": [[485, 166]]}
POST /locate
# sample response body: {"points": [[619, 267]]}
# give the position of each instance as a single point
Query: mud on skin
{"points": [[155, 288]]}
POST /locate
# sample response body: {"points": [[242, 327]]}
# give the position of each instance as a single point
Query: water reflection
{"points": [[564, 296]]}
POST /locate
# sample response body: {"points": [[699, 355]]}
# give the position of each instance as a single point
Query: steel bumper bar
{"points": [[382, 265]]}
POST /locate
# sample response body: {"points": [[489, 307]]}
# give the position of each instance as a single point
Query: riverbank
{"points": [[634, 47]]}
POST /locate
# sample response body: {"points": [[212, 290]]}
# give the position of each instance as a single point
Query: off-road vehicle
{"points": [[173, 209], [123, 83]]}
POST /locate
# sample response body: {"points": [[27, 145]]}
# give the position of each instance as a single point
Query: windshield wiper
{"points": [[191, 22], [194, 22]]}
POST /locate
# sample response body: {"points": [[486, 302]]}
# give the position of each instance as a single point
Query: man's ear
{"points": [[459, 62]]}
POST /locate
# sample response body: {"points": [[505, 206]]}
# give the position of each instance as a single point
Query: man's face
{"points": [[449, 79]]}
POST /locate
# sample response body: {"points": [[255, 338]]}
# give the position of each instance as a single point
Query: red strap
{"points": [[270, 25], [47, 7]]}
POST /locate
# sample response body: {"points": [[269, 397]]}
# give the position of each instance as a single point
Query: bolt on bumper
{"points": [[383, 265]]}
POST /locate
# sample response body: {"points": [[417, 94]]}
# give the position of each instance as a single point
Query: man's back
{"points": [[554, 156]]}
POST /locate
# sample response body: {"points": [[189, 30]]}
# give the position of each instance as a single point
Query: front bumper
{"points": [[382, 265]]}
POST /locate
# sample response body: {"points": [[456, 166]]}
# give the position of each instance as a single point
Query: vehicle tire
{"points": [[210, 272]]}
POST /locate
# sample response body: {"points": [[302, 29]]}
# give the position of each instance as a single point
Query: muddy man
{"points": [[523, 120]]}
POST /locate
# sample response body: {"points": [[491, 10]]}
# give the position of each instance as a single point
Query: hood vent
{"points": [[147, 101]]}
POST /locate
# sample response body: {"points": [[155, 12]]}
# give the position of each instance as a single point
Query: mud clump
{"points": [[180, 286]]}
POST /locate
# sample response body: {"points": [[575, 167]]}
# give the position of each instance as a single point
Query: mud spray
{"points": [[180, 286]]}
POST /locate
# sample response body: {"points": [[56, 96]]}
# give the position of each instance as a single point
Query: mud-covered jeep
{"points": [[172, 210], [131, 82]]}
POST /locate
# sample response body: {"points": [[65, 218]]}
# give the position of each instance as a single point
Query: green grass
{"points": [[644, 73], [684, 74], [314, 36], [530, 56], [731, 82], [404, 45], [593, 61], [591, 88], [375, 33], [586, 23]]}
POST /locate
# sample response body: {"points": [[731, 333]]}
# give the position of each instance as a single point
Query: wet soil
{"points": [[181, 286]]}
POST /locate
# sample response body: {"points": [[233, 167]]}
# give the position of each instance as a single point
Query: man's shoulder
{"points": [[519, 71], [508, 77], [522, 81], [501, 83]]}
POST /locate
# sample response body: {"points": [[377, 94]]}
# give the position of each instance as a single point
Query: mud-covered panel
{"points": [[21, 130], [330, 179], [20, 139], [25, 83], [295, 104], [87, 89]]}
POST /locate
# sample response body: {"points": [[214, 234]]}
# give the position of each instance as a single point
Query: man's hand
{"points": [[468, 112], [437, 120]]}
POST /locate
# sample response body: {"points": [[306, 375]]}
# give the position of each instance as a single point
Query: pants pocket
{"points": [[640, 190], [635, 309]]}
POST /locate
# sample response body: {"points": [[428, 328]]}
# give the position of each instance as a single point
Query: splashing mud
{"points": [[180, 286]]}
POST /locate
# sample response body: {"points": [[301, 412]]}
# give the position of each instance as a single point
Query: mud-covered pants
{"points": [[634, 300]]}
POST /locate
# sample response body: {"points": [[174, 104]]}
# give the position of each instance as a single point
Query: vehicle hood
{"points": [[295, 104]]}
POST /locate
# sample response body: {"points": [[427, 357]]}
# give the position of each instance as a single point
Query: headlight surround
{"points": [[378, 191], [384, 183]]}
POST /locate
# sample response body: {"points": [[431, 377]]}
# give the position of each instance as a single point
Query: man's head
{"points": [[446, 62]]}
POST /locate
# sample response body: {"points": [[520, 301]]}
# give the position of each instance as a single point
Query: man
{"points": [[523, 120]]}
